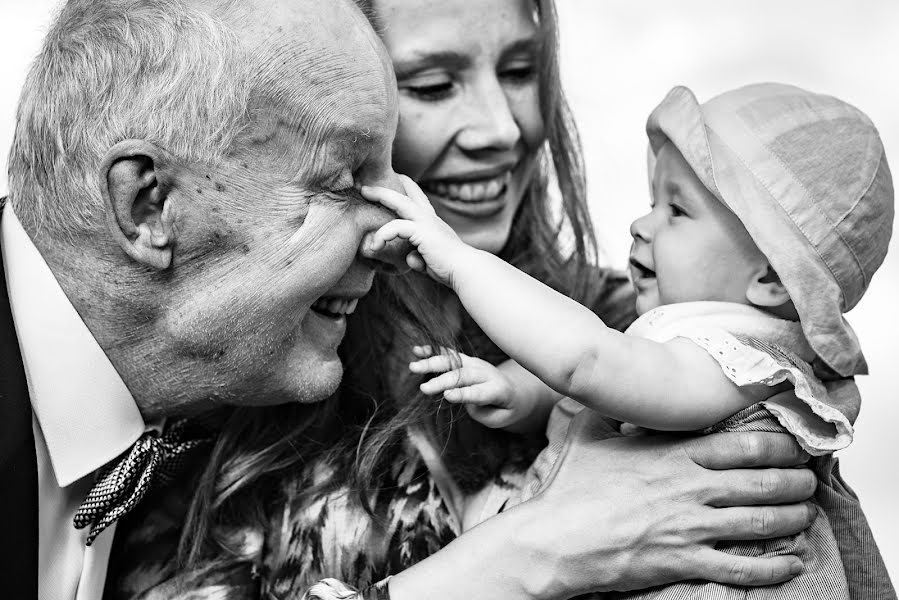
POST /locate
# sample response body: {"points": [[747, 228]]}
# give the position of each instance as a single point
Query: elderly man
{"points": [[183, 231]]}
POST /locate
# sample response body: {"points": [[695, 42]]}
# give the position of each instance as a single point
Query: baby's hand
{"points": [[437, 247], [487, 393]]}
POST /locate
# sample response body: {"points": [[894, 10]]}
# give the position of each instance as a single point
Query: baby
{"points": [[771, 209]]}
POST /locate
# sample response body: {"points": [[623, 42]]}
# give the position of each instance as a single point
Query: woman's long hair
{"points": [[361, 428]]}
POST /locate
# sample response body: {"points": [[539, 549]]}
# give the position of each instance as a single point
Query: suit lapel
{"points": [[18, 465]]}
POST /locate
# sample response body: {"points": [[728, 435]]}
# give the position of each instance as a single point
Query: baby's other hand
{"points": [[487, 393], [437, 247]]}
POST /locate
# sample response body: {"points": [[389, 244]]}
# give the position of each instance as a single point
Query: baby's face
{"points": [[689, 246]]}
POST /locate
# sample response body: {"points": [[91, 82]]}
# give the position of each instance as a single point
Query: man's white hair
{"points": [[109, 70]]}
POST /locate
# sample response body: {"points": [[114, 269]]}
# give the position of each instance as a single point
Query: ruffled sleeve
{"points": [[754, 348], [811, 413]]}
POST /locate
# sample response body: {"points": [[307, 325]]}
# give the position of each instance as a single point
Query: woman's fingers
{"points": [[714, 565], [758, 522], [422, 351], [746, 450], [750, 487]]}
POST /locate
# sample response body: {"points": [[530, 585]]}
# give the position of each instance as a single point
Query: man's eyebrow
{"points": [[418, 61]]}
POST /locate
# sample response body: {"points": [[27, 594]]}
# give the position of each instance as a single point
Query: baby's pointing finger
{"points": [[397, 228], [398, 203], [413, 191]]}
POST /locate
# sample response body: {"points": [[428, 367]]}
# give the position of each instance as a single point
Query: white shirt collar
{"points": [[87, 415]]}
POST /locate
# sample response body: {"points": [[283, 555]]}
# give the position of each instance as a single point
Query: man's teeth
{"points": [[471, 191], [336, 306]]}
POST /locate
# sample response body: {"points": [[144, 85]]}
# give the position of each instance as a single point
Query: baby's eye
{"points": [[676, 210]]}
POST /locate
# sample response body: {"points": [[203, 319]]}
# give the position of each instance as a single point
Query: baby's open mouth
{"points": [[640, 271]]}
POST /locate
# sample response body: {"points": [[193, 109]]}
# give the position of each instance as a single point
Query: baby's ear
{"points": [[766, 289]]}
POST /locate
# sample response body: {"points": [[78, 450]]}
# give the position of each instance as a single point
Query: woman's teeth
{"points": [[471, 191], [336, 306]]}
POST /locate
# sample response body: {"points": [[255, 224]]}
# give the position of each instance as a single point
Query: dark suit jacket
{"points": [[18, 465]]}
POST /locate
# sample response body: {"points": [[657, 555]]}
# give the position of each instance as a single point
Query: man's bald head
{"points": [[305, 56]]}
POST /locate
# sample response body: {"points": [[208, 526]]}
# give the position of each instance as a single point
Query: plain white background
{"points": [[619, 59]]}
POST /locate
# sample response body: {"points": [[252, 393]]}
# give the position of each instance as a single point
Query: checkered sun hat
{"points": [[808, 177]]}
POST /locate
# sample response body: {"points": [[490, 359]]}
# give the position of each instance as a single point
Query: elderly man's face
{"points": [[272, 259]]}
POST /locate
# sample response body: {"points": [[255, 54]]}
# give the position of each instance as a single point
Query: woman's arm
{"points": [[630, 513]]}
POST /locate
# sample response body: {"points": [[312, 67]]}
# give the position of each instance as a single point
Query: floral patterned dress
{"points": [[417, 512]]}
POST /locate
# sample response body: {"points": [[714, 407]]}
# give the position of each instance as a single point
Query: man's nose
{"points": [[370, 218], [489, 120]]}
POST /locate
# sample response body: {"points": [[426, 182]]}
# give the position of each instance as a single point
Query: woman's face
{"points": [[469, 114]]}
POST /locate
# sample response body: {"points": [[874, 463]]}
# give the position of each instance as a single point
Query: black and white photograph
{"points": [[448, 299]]}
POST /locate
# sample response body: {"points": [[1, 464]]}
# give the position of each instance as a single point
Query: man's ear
{"points": [[135, 180], [766, 289]]}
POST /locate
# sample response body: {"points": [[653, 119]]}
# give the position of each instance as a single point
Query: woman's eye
{"points": [[430, 90], [519, 73]]}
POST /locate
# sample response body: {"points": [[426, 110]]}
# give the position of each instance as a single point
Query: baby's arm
{"points": [[504, 396], [671, 386]]}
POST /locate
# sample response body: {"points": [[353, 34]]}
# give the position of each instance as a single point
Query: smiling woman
{"points": [[470, 125]]}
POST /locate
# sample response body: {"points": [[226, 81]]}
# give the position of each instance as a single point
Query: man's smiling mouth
{"points": [[334, 307]]}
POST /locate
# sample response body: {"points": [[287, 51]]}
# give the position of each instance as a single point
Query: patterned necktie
{"points": [[153, 460]]}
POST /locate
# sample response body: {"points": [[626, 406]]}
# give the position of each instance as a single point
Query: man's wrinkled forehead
{"points": [[319, 68]]}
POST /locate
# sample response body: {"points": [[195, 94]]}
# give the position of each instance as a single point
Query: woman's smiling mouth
{"points": [[472, 199], [482, 190]]}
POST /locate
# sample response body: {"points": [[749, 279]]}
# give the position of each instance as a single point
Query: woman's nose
{"points": [[490, 120]]}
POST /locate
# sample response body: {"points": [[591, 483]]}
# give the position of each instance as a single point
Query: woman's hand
{"points": [[438, 249], [635, 512], [628, 513]]}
